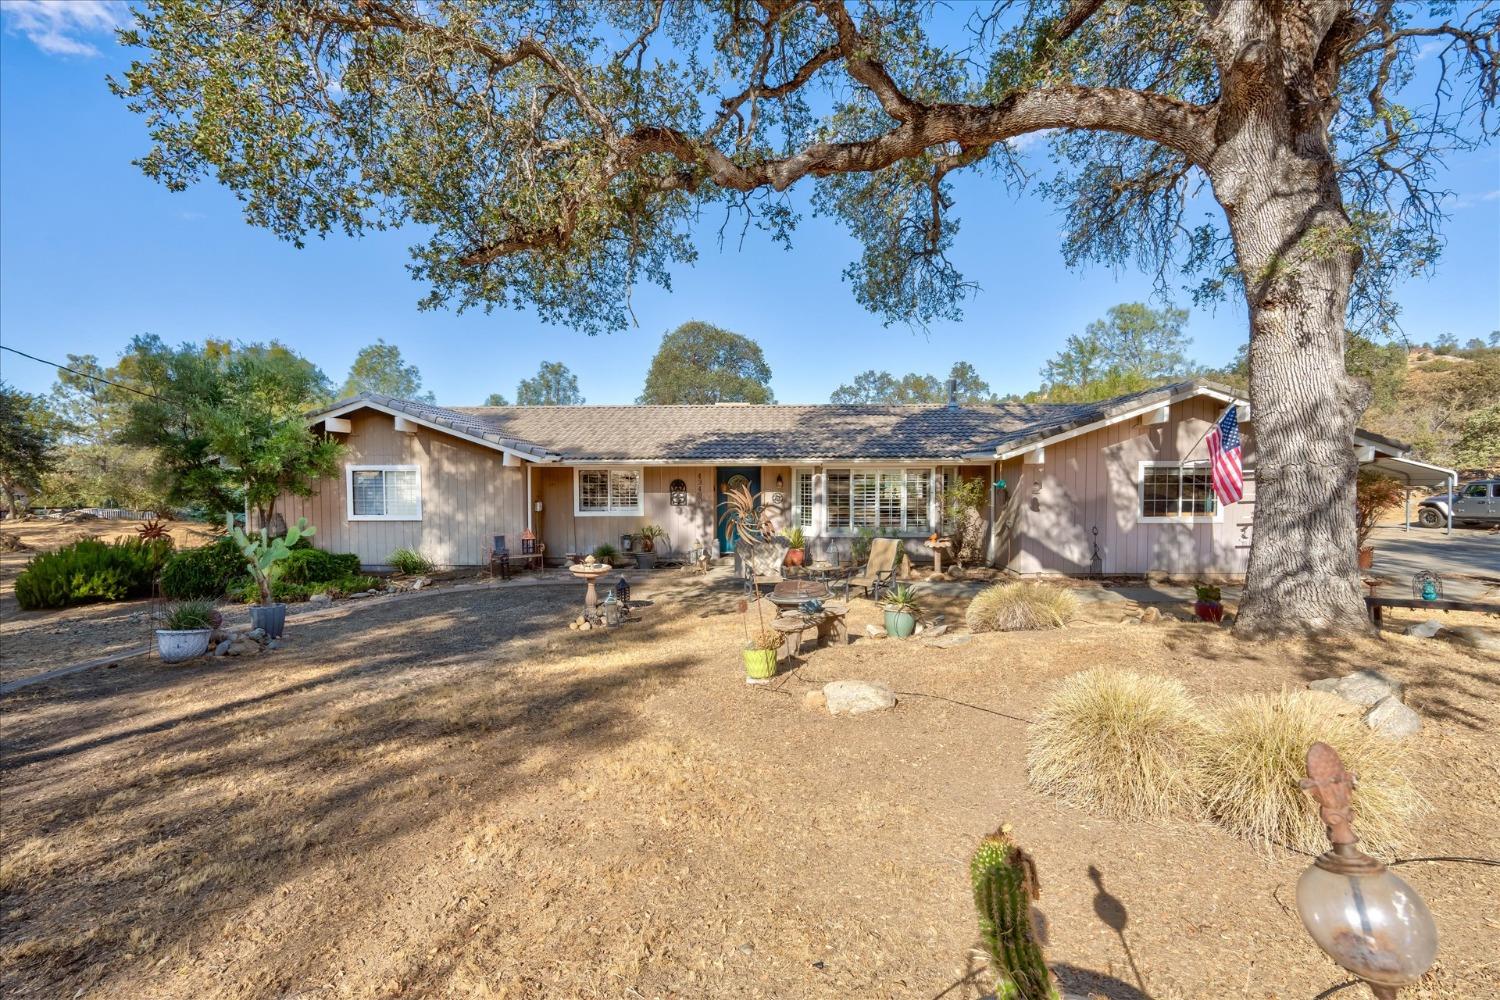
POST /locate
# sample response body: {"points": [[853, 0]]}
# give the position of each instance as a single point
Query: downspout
{"points": [[989, 548], [529, 505]]}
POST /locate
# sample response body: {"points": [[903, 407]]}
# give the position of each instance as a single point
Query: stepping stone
{"points": [[857, 697]]}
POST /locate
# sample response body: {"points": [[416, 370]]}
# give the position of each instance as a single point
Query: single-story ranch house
{"points": [[1120, 486]]}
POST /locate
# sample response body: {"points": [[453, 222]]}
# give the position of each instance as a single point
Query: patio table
{"points": [[789, 595]]}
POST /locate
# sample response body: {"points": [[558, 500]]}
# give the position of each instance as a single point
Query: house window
{"points": [[802, 497], [1177, 492], [879, 499], [602, 492], [384, 492]]}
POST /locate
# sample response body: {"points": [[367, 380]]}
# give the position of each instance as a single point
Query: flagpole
{"points": [[1232, 403]]}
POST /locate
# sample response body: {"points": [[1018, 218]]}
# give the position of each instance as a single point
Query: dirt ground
{"points": [[455, 796]]}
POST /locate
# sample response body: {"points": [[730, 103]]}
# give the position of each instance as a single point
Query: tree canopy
{"points": [[1134, 348], [27, 440], [496, 399], [226, 423], [552, 385], [882, 387], [703, 363], [380, 368]]}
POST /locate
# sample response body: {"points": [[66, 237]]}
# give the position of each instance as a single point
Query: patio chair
{"points": [[879, 571], [760, 562]]}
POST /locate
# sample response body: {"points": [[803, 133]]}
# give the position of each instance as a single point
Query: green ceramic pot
{"points": [[760, 664], [900, 624]]}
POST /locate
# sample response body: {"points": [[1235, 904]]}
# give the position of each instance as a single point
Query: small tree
{"points": [[703, 363], [26, 443], [963, 500], [1373, 495], [553, 385], [263, 553]]}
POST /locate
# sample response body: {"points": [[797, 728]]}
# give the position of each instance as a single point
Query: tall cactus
{"points": [[265, 552], [1005, 884]]}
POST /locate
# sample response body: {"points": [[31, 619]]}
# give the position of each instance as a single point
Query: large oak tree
{"points": [[555, 154]]}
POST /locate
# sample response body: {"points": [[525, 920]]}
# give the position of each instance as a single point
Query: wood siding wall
{"points": [[686, 526], [1092, 482], [468, 495]]}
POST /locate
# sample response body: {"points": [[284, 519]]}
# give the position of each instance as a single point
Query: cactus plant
{"points": [[263, 552], [1005, 884]]}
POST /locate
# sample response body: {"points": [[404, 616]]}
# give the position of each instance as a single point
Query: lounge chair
{"points": [[878, 573]]}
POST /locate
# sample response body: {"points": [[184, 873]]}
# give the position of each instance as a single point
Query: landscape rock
{"points": [[874, 631], [1151, 615], [1474, 637], [218, 636], [1333, 704], [935, 630], [857, 697], [222, 647], [1425, 630], [949, 641], [1364, 687], [274, 644], [256, 634], [1391, 718], [242, 647], [320, 600], [815, 700]]}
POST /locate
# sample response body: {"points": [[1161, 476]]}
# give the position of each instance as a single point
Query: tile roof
{"points": [[770, 433]]}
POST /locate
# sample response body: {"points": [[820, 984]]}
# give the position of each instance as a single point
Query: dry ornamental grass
{"points": [[1118, 742], [1254, 754], [1021, 607]]}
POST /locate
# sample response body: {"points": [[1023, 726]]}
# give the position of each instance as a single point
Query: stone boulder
{"points": [[1391, 718], [1425, 630], [857, 697], [1363, 687]]}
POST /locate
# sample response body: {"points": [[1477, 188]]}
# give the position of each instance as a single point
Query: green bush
{"points": [[92, 570], [408, 561], [288, 592], [314, 566], [606, 553], [206, 572]]}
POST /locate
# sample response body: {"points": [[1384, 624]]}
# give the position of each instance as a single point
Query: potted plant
{"points": [[187, 630], [1207, 607], [261, 555], [796, 553], [645, 558], [901, 609], [760, 656], [1373, 495]]}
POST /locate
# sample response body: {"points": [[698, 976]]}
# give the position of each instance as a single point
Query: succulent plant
{"points": [[1005, 884], [263, 552]]}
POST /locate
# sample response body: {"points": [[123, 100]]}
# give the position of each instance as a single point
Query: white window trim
{"points": [[821, 493], [350, 470], [638, 510], [1140, 494]]}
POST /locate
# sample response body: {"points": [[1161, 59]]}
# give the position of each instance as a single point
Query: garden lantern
{"points": [[611, 609], [1368, 920], [622, 593]]}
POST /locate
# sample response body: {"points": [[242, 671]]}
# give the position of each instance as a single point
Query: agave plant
{"points": [[151, 529], [902, 599], [795, 537]]}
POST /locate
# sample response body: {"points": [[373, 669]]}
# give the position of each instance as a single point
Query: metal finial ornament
{"points": [[1365, 918]]}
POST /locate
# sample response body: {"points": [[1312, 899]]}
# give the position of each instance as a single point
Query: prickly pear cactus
{"points": [[1005, 884], [264, 552]]}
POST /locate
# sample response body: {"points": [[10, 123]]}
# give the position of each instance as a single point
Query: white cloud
{"points": [[1029, 140], [63, 27]]}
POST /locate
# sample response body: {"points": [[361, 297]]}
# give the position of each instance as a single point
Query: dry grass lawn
{"points": [[454, 796]]}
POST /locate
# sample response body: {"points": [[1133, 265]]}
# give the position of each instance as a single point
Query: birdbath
{"points": [[589, 571], [938, 547]]}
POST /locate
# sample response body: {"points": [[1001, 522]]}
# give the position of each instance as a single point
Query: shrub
{"points": [[1373, 495], [209, 571], [1254, 754], [190, 615], [1011, 607], [408, 561], [1118, 742], [289, 592], [92, 570], [606, 553], [314, 566]]}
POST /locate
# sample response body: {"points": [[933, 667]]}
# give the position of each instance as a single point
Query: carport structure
{"points": [[1390, 457]]}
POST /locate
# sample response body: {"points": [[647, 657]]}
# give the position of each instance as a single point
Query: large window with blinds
{"points": [[879, 499], [605, 492], [384, 492]]}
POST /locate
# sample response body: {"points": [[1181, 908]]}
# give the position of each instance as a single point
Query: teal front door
{"points": [[729, 477]]}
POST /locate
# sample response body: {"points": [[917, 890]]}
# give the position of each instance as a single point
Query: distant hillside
{"points": [[1446, 405]]}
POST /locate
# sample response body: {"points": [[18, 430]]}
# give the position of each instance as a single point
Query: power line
{"points": [[75, 371]]}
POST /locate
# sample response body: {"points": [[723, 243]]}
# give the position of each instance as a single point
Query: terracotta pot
{"points": [[1366, 557], [794, 557]]}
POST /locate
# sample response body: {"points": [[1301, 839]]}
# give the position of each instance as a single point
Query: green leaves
{"points": [[702, 363]]}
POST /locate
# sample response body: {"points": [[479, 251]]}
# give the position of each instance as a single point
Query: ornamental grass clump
{"points": [[1119, 743], [1017, 607], [1253, 755], [407, 561]]}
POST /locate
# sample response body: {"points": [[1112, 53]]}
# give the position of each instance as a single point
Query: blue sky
{"points": [[92, 253]]}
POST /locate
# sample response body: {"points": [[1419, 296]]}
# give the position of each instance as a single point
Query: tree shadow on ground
{"points": [[174, 798]]}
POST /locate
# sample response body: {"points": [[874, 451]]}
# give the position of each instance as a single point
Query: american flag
{"points": [[1225, 457]]}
